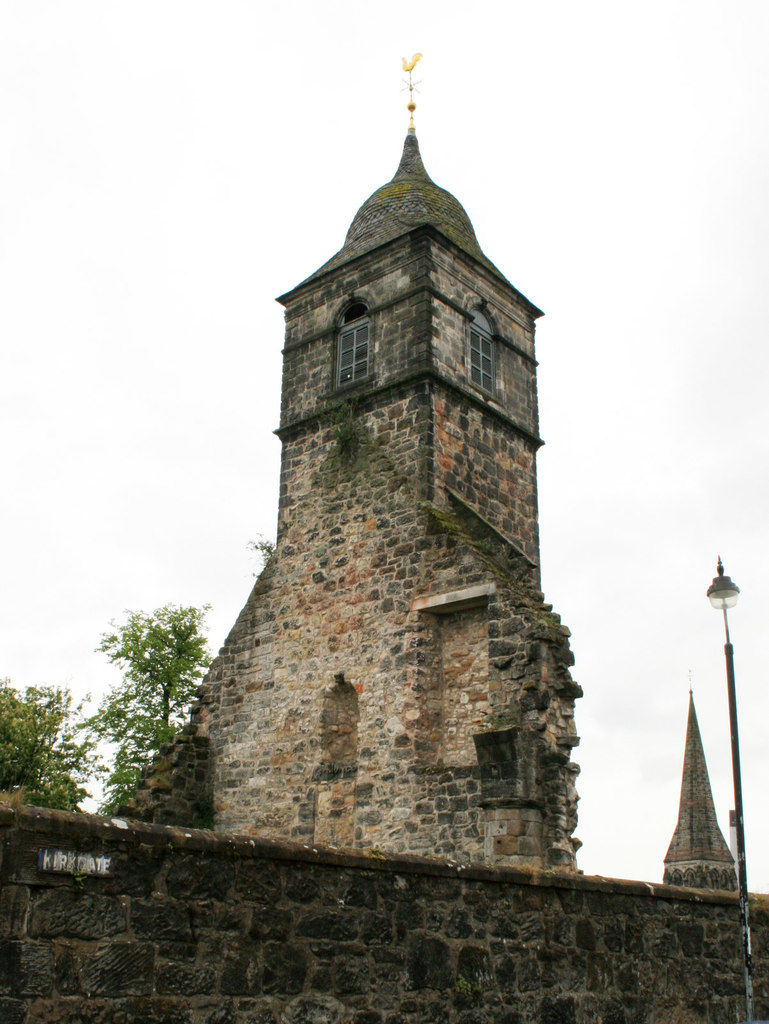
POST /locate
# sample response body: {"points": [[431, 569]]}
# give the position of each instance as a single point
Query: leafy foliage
{"points": [[263, 550], [163, 657], [44, 755]]}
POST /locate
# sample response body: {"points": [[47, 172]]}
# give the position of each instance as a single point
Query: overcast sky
{"points": [[168, 167]]}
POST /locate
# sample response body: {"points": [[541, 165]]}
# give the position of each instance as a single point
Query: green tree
{"points": [[163, 656], [262, 550], [44, 755]]}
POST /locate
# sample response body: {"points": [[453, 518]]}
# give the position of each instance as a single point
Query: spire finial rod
{"points": [[408, 66]]}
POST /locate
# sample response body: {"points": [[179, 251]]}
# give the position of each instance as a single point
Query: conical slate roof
{"points": [[697, 842], [408, 201]]}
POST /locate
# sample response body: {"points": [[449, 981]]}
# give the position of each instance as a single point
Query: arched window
{"points": [[353, 358], [481, 352]]}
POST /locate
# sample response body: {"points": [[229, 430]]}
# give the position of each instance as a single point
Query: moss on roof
{"points": [[408, 201]]}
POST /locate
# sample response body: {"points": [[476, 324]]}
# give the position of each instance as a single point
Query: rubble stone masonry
{"points": [[190, 927], [395, 680]]}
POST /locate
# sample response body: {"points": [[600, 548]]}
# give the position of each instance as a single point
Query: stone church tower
{"points": [[698, 856], [395, 680]]}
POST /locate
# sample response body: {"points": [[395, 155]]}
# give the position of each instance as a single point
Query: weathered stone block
{"points": [[585, 936], [136, 872], [74, 1011], [301, 887], [26, 968], [61, 912], [557, 1011], [335, 925], [240, 973], [474, 966], [351, 975], [14, 900], [159, 1010], [191, 879], [428, 964], [12, 1011], [284, 968], [505, 846], [270, 923], [119, 969], [158, 919], [690, 936], [358, 891], [183, 978], [313, 1010], [66, 969]]}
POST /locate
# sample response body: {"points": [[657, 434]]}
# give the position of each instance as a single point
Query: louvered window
{"points": [[481, 353], [353, 362]]}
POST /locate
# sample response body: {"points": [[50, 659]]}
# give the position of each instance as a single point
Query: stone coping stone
{"points": [[82, 829]]}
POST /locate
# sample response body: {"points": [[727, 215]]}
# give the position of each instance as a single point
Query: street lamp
{"points": [[723, 594]]}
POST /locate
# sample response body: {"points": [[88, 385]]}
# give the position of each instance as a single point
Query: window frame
{"points": [[353, 340], [484, 377]]}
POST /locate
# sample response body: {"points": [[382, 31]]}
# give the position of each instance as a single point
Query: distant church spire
{"points": [[698, 855]]}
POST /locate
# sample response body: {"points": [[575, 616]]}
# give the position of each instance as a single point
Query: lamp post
{"points": [[723, 594]]}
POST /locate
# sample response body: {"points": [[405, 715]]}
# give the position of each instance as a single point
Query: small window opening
{"points": [[354, 312], [481, 353], [353, 360]]}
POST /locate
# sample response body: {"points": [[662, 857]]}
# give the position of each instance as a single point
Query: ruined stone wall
{"points": [[186, 927], [339, 588], [341, 592], [400, 617]]}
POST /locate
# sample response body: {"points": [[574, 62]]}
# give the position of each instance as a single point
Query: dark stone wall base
{"points": [[188, 926]]}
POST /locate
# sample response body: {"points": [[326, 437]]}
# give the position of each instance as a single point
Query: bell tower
{"points": [[411, 305], [395, 680]]}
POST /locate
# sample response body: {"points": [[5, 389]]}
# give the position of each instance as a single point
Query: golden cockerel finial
{"points": [[409, 65]]}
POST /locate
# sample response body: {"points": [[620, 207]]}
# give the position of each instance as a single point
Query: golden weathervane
{"points": [[409, 65]]}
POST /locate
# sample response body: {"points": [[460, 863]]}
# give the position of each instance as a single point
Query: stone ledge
{"points": [[423, 374], [455, 600], [88, 827]]}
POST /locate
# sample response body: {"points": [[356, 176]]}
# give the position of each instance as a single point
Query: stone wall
{"points": [[420, 293], [185, 927], [395, 678], [423, 686], [405, 586]]}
